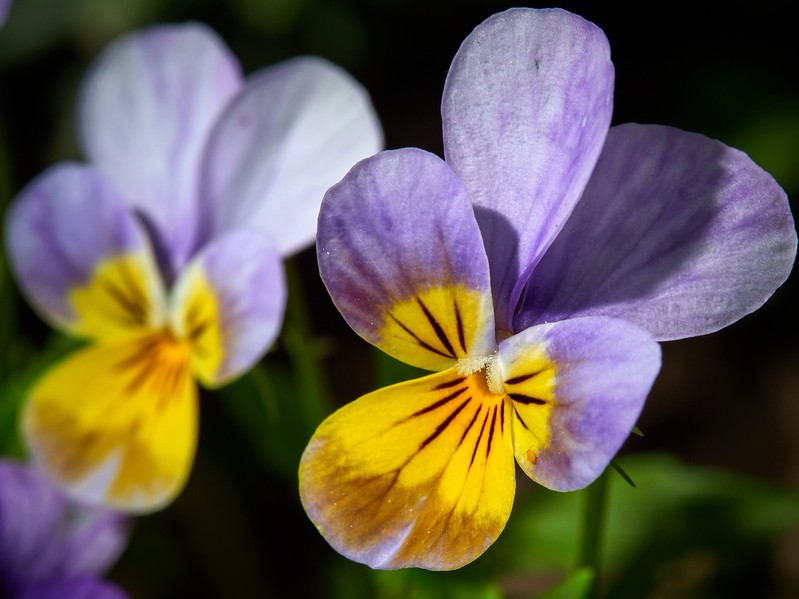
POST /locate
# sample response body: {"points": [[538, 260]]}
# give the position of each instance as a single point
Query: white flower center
{"points": [[489, 363]]}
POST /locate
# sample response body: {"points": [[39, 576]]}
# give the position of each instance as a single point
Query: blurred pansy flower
{"points": [[164, 251], [51, 547], [533, 270]]}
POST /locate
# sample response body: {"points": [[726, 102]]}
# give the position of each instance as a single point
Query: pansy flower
{"points": [[51, 547], [533, 271], [164, 250]]}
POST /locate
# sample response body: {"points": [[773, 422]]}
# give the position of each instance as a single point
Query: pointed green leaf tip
{"points": [[576, 585], [615, 465]]}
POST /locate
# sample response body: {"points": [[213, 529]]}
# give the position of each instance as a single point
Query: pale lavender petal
{"points": [[294, 130], [526, 108], [84, 587], [45, 536], [676, 232], [399, 228], [146, 109], [604, 369], [245, 275], [59, 228]]}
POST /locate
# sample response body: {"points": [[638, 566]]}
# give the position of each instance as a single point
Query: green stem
{"points": [[303, 349], [593, 516]]}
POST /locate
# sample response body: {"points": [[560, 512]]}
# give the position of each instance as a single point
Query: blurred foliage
{"points": [[687, 531]]}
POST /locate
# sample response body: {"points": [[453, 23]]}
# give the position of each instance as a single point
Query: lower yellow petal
{"points": [[417, 474], [116, 424]]}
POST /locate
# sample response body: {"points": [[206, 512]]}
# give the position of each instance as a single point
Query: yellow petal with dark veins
{"points": [[438, 326], [124, 297], [529, 383], [116, 424], [416, 474]]}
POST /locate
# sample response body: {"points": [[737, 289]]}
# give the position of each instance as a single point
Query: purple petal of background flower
{"points": [[147, 106], [5, 5], [527, 104], [675, 232], [604, 370], [397, 224], [84, 587], [294, 130], [58, 228], [45, 537]]}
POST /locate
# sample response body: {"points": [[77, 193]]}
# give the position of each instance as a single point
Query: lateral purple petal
{"points": [[295, 130], [59, 227], [147, 106], [396, 230], [676, 232], [245, 274], [45, 536], [604, 369], [527, 105]]}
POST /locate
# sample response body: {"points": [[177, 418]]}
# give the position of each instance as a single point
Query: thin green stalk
{"points": [[593, 524], [302, 347]]}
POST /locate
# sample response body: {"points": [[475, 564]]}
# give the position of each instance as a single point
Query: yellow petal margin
{"points": [[116, 424], [416, 474], [196, 318]]}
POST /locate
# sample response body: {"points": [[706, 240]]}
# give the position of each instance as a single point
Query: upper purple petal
{"points": [[294, 130], [45, 537], [146, 109], [526, 108], [397, 226], [675, 232], [59, 228]]}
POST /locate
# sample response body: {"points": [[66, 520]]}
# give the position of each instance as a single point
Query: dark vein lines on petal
{"points": [[437, 404], [522, 378], [459, 322], [452, 383], [477, 442], [519, 416], [441, 427], [526, 399], [416, 338], [491, 431], [471, 423], [133, 311], [442, 336]]}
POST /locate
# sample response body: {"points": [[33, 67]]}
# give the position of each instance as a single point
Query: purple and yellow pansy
{"points": [[164, 250], [534, 271]]}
